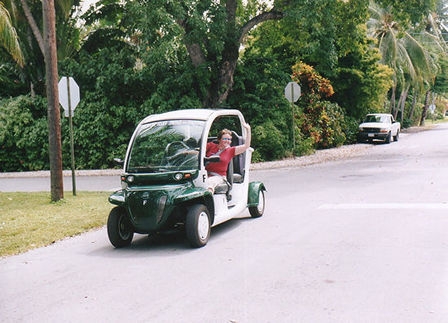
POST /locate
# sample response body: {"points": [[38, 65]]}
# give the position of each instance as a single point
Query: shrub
{"points": [[269, 141], [23, 134], [406, 123], [350, 129]]}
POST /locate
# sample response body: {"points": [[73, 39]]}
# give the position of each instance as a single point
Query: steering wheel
{"points": [[179, 156], [174, 143]]}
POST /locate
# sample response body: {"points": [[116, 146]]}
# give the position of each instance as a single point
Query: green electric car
{"points": [[163, 180]]}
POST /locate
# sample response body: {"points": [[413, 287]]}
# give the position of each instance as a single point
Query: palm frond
{"points": [[8, 36]]}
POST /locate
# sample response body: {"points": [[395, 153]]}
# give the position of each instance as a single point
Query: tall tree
{"points": [[211, 31]]}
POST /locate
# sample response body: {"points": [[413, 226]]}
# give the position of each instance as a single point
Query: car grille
{"points": [[371, 130]]}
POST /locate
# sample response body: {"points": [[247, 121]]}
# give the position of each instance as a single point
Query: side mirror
{"points": [[119, 161], [212, 159]]}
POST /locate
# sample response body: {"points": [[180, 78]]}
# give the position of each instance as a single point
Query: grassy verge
{"points": [[30, 220], [429, 121]]}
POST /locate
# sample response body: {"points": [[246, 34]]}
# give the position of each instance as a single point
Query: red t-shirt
{"points": [[226, 156]]}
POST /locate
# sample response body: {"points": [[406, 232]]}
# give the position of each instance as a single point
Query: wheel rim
{"points": [[203, 226], [260, 205], [123, 228]]}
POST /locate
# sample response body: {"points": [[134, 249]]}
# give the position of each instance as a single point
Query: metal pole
{"points": [[292, 113], [70, 120]]}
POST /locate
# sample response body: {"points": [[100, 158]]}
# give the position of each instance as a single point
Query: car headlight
{"points": [[361, 129], [130, 179], [384, 130]]}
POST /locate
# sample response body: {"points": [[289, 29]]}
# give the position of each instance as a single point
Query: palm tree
{"points": [[8, 36], [411, 61], [25, 17]]}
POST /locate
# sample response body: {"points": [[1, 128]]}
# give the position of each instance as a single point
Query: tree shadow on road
{"points": [[167, 243]]}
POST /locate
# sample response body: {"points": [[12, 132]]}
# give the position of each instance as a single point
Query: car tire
{"points": [[197, 225], [257, 211], [397, 135], [387, 140], [119, 228]]}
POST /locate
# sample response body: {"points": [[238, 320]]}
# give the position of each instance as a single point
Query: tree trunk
{"points": [[54, 125], [33, 25], [395, 114], [403, 102], [221, 86], [425, 109], [392, 100], [414, 103], [30, 43]]}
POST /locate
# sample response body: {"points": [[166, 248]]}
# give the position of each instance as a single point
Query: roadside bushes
{"points": [[270, 142], [23, 134], [317, 118], [105, 119], [101, 132], [258, 93]]}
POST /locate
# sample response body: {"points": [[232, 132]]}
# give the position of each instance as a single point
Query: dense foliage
{"points": [[140, 57]]}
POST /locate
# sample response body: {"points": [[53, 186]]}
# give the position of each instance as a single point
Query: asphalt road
{"points": [[358, 240]]}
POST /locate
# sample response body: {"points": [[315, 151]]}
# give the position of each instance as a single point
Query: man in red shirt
{"points": [[217, 171]]}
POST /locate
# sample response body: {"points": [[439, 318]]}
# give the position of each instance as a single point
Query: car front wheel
{"points": [[397, 135], [119, 228], [197, 225], [257, 211], [387, 140]]}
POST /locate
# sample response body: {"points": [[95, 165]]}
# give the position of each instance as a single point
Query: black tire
{"points": [[197, 225], [119, 228], [396, 137], [387, 140], [257, 211]]}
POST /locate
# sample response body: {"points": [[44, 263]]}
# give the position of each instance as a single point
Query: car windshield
{"points": [[166, 146], [373, 118]]}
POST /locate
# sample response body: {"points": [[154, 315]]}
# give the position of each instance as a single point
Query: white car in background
{"points": [[380, 126]]}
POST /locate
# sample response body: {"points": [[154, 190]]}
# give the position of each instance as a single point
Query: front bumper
{"points": [[365, 136], [149, 207]]}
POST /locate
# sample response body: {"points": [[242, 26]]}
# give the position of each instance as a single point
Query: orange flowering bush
{"points": [[311, 81], [317, 119]]}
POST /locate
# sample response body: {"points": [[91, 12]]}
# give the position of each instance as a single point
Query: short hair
{"points": [[224, 132]]}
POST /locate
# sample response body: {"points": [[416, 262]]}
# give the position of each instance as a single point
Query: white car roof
{"points": [[190, 114]]}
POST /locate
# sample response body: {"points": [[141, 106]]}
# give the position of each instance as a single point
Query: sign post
{"points": [[69, 99], [292, 94]]}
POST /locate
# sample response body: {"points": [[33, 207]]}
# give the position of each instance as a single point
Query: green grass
{"points": [[31, 220], [429, 121]]}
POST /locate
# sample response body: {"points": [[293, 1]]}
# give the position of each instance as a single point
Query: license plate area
{"points": [[371, 135]]}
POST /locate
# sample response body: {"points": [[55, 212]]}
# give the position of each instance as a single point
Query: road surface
{"points": [[358, 240]]}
